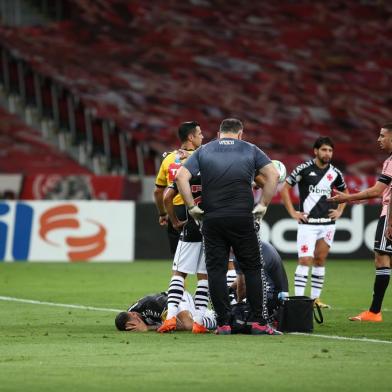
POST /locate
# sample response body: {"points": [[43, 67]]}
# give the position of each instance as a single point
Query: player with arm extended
{"points": [[383, 240], [316, 219], [188, 259], [191, 138], [148, 313]]}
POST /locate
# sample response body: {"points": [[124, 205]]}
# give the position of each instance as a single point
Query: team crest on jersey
{"points": [[329, 177]]}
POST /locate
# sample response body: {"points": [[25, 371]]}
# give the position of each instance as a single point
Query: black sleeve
{"points": [[275, 268], [339, 183]]}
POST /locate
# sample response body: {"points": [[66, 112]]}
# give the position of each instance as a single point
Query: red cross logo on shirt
{"points": [[330, 177], [304, 248]]}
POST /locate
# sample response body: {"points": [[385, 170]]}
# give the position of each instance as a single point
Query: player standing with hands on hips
{"points": [[316, 219], [383, 238], [227, 167]]}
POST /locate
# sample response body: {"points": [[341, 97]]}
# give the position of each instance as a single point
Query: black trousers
{"points": [[239, 233]]}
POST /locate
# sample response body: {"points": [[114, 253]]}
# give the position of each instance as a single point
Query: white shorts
{"points": [[189, 258], [308, 235]]}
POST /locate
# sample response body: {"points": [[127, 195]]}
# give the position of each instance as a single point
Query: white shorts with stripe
{"points": [[308, 235], [189, 258]]}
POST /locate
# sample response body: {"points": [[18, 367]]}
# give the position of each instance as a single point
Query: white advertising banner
{"points": [[67, 231]]}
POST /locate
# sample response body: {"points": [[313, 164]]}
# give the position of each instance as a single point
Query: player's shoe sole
{"points": [[367, 316], [198, 328], [168, 325]]}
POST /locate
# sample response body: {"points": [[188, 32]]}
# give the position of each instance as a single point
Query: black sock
{"points": [[381, 283]]}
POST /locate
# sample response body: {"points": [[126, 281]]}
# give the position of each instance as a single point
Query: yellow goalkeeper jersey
{"points": [[168, 170]]}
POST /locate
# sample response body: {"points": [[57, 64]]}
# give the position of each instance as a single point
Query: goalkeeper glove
{"points": [[259, 211], [195, 212]]}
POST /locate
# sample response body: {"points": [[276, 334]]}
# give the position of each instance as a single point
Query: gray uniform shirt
{"points": [[227, 168]]}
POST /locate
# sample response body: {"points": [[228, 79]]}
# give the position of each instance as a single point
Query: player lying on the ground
{"points": [[148, 314]]}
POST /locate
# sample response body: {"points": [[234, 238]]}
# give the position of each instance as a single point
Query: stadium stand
{"points": [[120, 76], [24, 151]]}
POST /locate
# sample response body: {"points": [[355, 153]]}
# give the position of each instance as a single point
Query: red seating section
{"points": [[24, 151], [290, 70]]}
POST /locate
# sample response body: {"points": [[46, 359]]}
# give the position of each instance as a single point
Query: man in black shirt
{"points": [[227, 167], [316, 216]]}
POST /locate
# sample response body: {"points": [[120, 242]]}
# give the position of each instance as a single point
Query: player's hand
{"points": [[179, 225], [340, 197], [388, 232], [135, 327], [259, 211], [183, 154], [195, 212], [163, 220], [300, 217], [282, 295], [334, 214]]}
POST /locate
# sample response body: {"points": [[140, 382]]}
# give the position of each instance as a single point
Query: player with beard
{"points": [[316, 218]]}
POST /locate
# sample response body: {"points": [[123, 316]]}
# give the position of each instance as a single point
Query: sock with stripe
{"points": [[201, 299], [381, 283], [317, 278], [230, 277], [175, 293], [209, 321], [301, 278]]}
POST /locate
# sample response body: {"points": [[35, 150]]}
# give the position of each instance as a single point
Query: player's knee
{"points": [[306, 261]]}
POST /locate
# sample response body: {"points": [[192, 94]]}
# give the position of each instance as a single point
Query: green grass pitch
{"points": [[49, 348]]}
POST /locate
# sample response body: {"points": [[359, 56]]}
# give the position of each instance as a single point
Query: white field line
{"points": [[366, 340], [33, 302], [83, 307]]}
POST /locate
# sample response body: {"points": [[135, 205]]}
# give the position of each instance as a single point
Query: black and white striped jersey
{"points": [[315, 186]]}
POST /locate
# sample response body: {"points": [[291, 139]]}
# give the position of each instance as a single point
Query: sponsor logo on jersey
{"points": [[313, 174], [317, 190]]}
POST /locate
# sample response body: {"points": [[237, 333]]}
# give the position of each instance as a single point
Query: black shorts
{"points": [[381, 244], [191, 232], [174, 234]]}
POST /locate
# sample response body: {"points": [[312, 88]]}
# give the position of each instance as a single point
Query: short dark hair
{"points": [[387, 126], [323, 140], [121, 320], [186, 128], [231, 125]]}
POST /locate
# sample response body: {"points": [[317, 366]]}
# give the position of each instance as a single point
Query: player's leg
{"points": [[201, 297], [176, 288], [325, 235], [247, 248], [318, 271], [382, 261], [306, 242], [217, 253], [231, 273]]}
